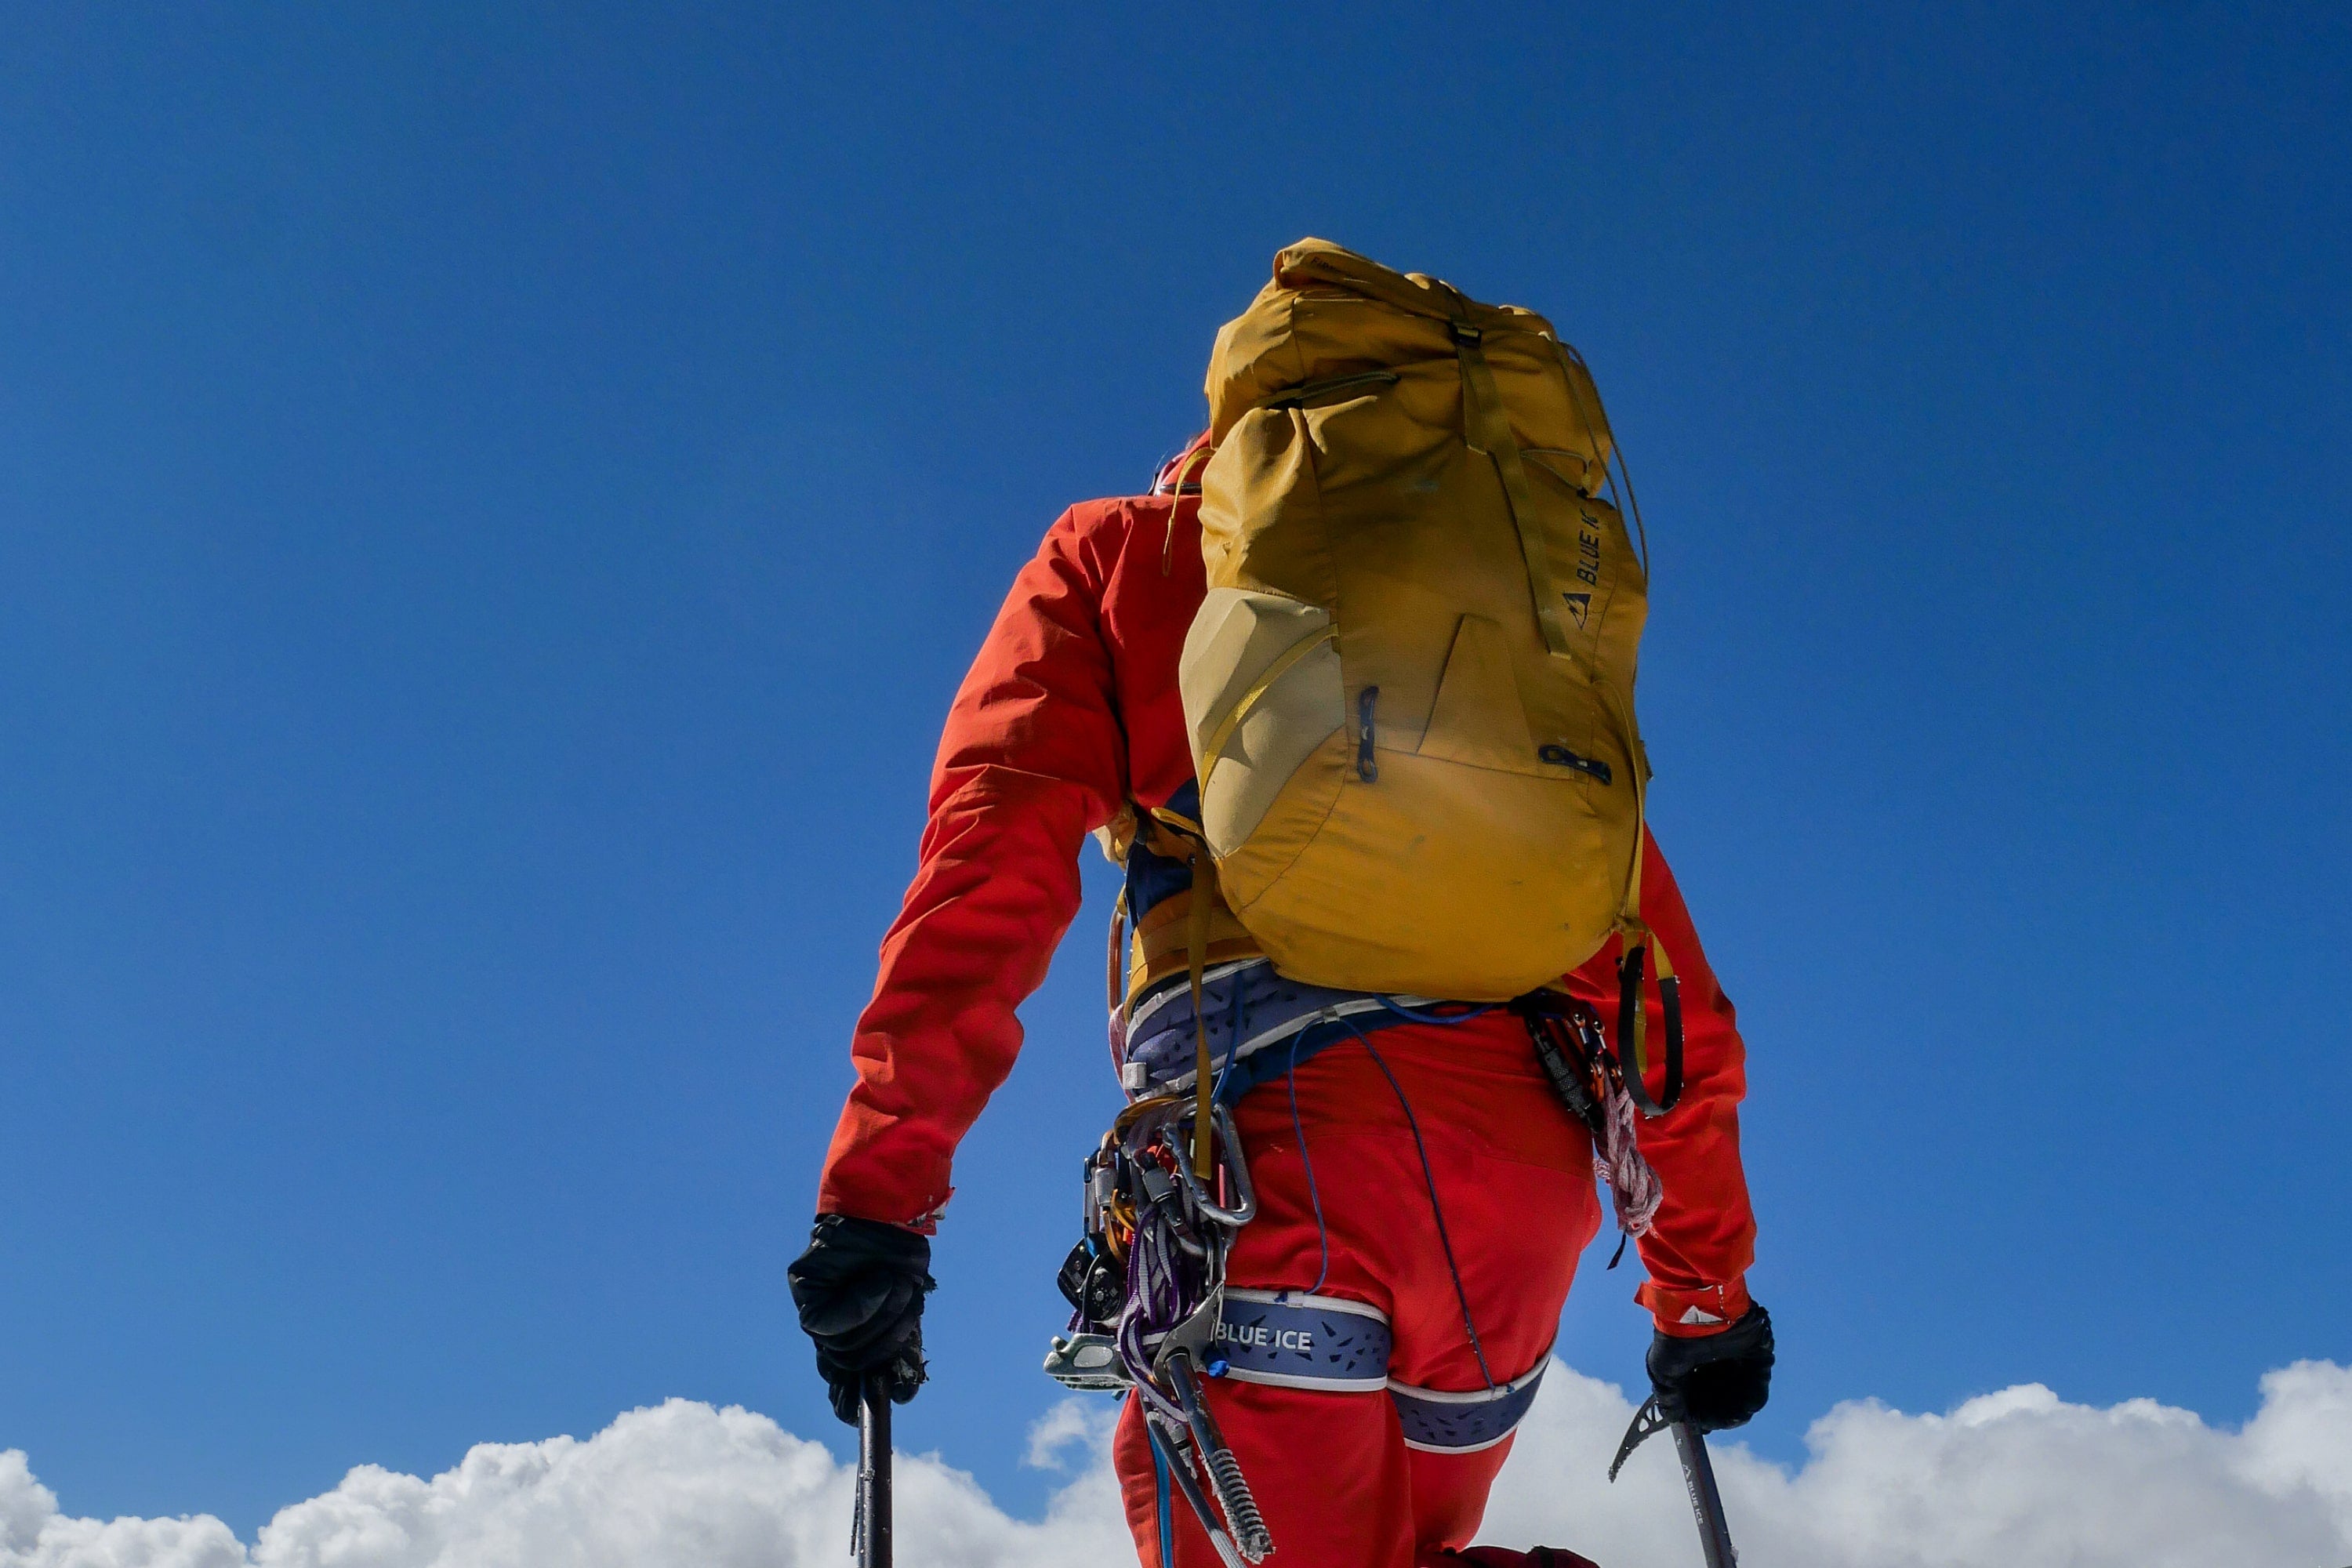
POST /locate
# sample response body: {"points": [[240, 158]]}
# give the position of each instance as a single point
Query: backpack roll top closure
{"points": [[1409, 689]]}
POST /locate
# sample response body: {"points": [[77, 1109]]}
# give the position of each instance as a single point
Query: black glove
{"points": [[859, 1288], [1718, 1381]]}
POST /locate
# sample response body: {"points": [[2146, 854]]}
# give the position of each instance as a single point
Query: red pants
{"points": [[1338, 1482]]}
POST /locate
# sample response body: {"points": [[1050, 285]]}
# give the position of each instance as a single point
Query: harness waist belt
{"points": [[1247, 1008]]}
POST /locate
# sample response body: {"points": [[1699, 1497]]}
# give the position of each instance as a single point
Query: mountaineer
{"points": [[1349, 695]]}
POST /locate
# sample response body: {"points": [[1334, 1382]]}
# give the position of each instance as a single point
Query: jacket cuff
{"points": [[1695, 1314], [927, 1223]]}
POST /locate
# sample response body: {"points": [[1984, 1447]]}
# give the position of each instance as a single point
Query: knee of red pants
{"points": [[1503, 1557], [1449, 1498], [1323, 1475], [1328, 1471]]}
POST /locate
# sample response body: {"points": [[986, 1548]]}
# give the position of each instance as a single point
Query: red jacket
{"points": [[1071, 710]]}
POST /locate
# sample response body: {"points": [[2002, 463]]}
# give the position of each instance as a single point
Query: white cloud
{"points": [[2014, 1479], [33, 1535]]}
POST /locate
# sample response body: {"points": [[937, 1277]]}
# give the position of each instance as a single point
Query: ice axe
{"points": [[869, 1539], [1698, 1478]]}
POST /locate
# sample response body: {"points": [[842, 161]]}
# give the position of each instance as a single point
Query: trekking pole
{"points": [[869, 1540], [1698, 1478]]}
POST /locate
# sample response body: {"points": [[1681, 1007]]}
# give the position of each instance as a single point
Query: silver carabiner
{"points": [[1229, 1156]]}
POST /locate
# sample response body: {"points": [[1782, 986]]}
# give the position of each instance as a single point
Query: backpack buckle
{"points": [[1464, 332]]}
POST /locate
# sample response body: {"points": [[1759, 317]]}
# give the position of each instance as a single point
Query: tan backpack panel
{"points": [[1410, 687]]}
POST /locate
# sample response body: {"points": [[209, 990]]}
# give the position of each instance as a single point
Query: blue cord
{"points": [[1322, 1235], [1217, 1084], [1436, 1210], [1402, 1011], [1160, 1476], [1232, 1042]]}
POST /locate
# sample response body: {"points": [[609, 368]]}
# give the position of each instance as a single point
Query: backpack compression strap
{"points": [[1632, 1017], [1639, 943], [1487, 429]]}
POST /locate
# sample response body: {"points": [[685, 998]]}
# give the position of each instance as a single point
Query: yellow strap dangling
{"points": [[1115, 962], [1176, 498], [1642, 951], [1639, 945], [1633, 1009], [1487, 428], [1196, 961]]}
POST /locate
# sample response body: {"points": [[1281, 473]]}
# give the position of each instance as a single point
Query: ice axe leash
{"points": [[869, 1540], [1698, 1478]]}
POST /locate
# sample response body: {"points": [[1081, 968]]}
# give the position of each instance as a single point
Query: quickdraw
{"points": [[1574, 1050], [1146, 1288]]}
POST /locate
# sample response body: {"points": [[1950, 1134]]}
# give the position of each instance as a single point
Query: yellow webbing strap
{"points": [[1167, 831], [1158, 946], [1634, 1014], [1634, 931], [1487, 428], [1176, 498], [1115, 966], [1631, 927], [1213, 752], [1596, 432], [1204, 873]]}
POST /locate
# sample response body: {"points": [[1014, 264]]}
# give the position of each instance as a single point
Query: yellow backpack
{"points": [[1410, 687]]}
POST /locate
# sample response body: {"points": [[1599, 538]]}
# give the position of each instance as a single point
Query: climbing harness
{"points": [[1150, 1310], [1246, 1010]]}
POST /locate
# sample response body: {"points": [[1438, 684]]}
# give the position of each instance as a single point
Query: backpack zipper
{"points": [[1560, 756], [1299, 394]]}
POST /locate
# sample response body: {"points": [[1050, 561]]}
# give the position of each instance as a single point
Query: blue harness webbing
{"points": [[1328, 1344], [1440, 1423], [1293, 1340], [1247, 1006]]}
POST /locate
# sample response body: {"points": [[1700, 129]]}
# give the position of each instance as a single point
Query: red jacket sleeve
{"points": [[1030, 760], [1704, 1238]]}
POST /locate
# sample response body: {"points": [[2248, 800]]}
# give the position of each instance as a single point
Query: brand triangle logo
{"points": [[1579, 606]]}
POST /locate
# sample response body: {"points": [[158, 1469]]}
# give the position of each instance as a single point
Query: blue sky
{"points": [[494, 502]]}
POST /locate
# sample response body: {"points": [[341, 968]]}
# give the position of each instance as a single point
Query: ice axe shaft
{"points": [[869, 1540], [1698, 1476]]}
